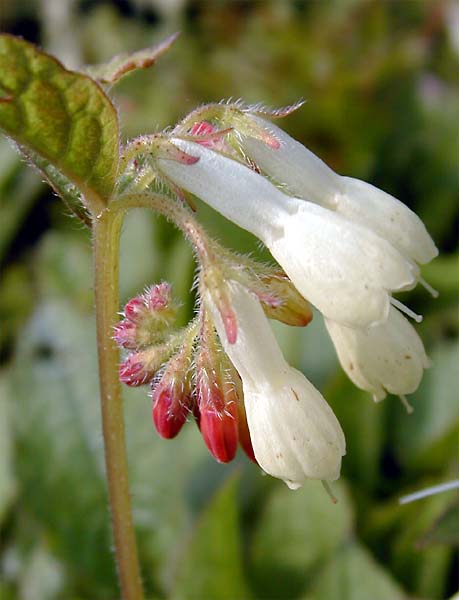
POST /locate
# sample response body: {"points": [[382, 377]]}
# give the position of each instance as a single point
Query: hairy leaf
{"points": [[61, 115], [123, 64]]}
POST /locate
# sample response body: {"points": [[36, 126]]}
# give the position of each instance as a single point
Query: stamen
{"points": [[328, 489], [406, 404], [432, 291], [406, 310]]}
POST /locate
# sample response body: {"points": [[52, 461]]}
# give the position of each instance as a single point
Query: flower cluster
{"points": [[344, 246]]}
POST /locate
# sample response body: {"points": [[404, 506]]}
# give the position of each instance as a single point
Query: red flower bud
{"points": [[172, 394], [244, 434], [170, 407], [217, 402]]}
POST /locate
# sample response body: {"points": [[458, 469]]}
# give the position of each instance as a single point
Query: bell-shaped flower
{"points": [[343, 268], [387, 358], [306, 176], [294, 433]]}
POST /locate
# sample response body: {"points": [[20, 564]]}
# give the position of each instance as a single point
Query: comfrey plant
{"points": [[342, 245]]}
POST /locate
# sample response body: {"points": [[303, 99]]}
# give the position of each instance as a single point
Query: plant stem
{"points": [[176, 213], [106, 231]]}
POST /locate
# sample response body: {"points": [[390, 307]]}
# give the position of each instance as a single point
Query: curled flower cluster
{"points": [[344, 246]]}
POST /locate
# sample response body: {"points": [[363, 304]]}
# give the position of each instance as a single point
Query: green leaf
{"points": [[395, 533], [211, 566], [123, 64], [363, 422], [62, 116], [353, 574], [296, 532], [445, 530], [430, 433]]}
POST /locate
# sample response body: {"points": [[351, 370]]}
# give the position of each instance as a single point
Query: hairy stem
{"points": [[175, 212], [106, 229]]}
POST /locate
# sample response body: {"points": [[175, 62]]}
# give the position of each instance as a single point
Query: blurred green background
{"points": [[381, 84]]}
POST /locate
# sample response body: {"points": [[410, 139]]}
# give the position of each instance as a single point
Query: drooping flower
{"points": [[293, 431], [387, 358], [345, 269], [307, 176]]}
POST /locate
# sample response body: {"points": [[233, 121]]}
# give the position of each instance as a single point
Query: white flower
{"points": [[308, 177], [343, 268], [295, 434], [387, 358]]}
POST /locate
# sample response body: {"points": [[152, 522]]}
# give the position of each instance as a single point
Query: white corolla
{"points": [[295, 434], [344, 268], [306, 176], [387, 358]]}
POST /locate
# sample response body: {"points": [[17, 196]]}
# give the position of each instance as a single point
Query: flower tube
{"points": [[294, 433], [388, 358], [343, 268], [307, 176]]}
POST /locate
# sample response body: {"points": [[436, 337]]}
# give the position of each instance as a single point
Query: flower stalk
{"points": [[106, 234]]}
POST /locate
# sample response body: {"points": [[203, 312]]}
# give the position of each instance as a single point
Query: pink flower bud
{"points": [[132, 370], [158, 296], [140, 367], [135, 308], [202, 128], [125, 334]]}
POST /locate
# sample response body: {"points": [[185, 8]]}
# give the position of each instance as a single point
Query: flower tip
{"points": [[220, 433]]}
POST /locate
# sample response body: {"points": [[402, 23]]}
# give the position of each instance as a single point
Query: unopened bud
{"points": [[281, 300], [135, 309], [208, 135], [172, 395], [148, 318], [243, 428], [125, 334], [140, 367], [159, 296], [216, 398]]}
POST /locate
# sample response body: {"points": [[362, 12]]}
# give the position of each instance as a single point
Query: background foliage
{"points": [[380, 80]]}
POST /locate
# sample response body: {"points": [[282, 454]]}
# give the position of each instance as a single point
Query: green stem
{"points": [[175, 212], [106, 230]]}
